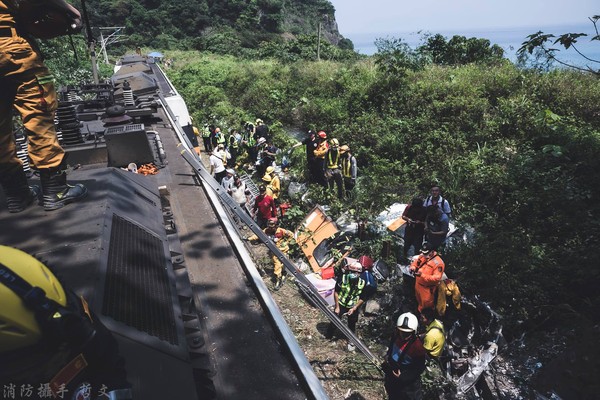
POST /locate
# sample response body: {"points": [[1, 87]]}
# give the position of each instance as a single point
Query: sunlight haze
{"points": [[389, 16]]}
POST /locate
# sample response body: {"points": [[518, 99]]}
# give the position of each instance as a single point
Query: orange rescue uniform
{"points": [[28, 86], [431, 267]]}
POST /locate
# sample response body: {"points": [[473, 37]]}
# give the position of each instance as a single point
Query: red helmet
{"points": [[351, 264], [366, 262], [322, 134]]}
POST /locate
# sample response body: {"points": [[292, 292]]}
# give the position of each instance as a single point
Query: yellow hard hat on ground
{"points": [[18, 326]]}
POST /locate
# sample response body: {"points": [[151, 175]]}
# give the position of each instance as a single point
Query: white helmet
{"points": [[407, 322]]}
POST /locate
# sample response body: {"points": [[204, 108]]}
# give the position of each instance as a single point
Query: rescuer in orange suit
{"points": [[428, 268], [28, 86]]}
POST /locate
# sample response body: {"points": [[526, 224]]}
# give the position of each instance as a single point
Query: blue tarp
{"points": [[156, 54]]}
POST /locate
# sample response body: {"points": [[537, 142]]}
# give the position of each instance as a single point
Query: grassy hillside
{"points": [[515, 152], [227, 26]]}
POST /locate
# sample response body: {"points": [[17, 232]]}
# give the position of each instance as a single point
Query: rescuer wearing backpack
{"points": [[436, 200], [349, 295], [28, 86]]}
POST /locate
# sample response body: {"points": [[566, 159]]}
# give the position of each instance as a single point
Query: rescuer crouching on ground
{"points": [[281, 237], [49, 338], [434, 337]]}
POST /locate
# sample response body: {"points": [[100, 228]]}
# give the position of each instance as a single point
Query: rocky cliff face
{"points": [[214, 25], [303, 17]]}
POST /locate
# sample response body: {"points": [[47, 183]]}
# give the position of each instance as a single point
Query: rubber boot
{"points": [[56, 192], [19, 195], [278, 283]]}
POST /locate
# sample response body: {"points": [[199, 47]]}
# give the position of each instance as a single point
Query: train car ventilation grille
{"points": [[124, 128], [137, 291]]}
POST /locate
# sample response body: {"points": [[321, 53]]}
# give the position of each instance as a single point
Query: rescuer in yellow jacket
{"points": [[333, 172], [28, 87], [349, 168], [274, 183], [434, 338], [448, 288], [267, 182], [319, 161], [281, 237], [428, 268]]}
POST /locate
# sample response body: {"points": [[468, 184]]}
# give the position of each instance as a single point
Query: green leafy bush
{"points": [[515, 152]]}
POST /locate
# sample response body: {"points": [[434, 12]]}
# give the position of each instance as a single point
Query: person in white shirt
{"points": [[240, 194], [436, 200], [217, 165], [228, 179], [238, 191]]}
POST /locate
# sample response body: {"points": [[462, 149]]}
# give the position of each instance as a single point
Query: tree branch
{"points": [[552, 57], [583, 55]]}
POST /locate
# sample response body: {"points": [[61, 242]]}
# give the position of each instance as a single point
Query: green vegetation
{"points": [[540, 45], [235, 27], [70, 63], [515, 152]]}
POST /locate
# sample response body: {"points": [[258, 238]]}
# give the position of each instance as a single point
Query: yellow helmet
{"points": [[334, 142], [18, 326]]}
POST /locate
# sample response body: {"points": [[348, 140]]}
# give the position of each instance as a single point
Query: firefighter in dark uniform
{"points": [[28, 87], [49, 336]]}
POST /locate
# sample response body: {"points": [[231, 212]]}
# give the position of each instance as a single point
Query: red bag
{"points": [[327, 273], [366, 262]]}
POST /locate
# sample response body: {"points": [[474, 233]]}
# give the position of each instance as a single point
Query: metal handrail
{"points": [[303, 283]]}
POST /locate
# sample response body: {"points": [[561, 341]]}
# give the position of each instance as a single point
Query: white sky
{"points": [[389, 16]]}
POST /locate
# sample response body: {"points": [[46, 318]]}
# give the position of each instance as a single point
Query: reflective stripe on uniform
{"points": [[349, 294]]}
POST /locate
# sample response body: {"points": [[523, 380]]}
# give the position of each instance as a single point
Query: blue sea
{"points": [[510, 39]]}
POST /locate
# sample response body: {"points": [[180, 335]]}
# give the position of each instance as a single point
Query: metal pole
{"points": [[91, 42], [301, 281], [319, 43], [94, 62], [103, 47], [109, 39]]}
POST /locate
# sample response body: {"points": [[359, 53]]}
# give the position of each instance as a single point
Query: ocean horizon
{"points": [[510, 39]]}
